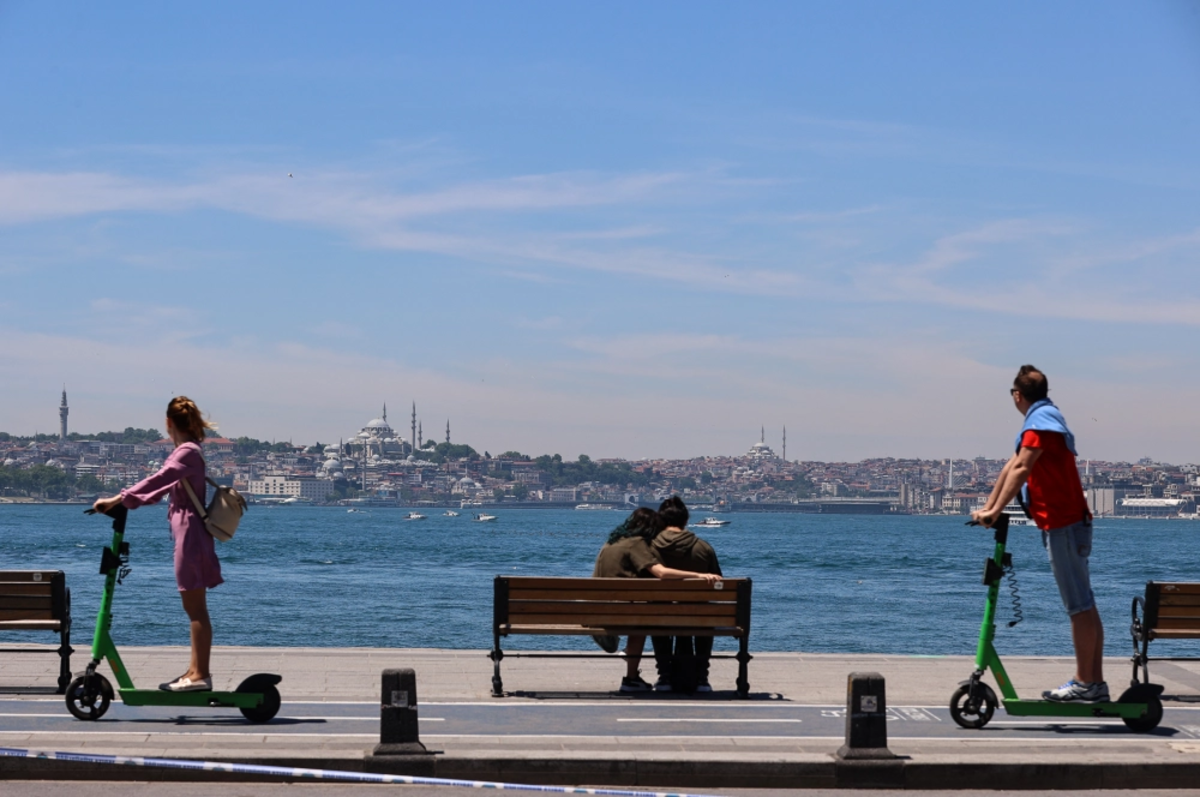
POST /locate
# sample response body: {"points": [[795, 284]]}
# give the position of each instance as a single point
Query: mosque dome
{"points": [[8, 463]]}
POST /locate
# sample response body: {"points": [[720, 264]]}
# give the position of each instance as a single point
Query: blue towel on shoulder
{"points": [[1043, 416]]}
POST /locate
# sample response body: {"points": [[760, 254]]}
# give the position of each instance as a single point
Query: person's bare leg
{"points": [[1087, 632], [195, 603], [633, 655]]}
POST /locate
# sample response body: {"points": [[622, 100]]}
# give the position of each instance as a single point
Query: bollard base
{"points": [[848, 753], [416, 764], [400, 748]]}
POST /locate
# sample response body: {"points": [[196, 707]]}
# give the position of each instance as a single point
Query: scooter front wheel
{"points": [[89, 696], [973, 713]]}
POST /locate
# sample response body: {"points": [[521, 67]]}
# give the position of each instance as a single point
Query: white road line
{"points": [[705, 720], [232, 733], [199, 716]]}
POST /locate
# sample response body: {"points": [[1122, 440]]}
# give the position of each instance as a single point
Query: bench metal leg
{"points": [[496, 655], [743, 658], [64, 659]]}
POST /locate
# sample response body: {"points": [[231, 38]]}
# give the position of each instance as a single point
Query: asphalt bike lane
{"points": [[580, 719]]}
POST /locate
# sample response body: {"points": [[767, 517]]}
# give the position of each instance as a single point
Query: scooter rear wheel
{"points": [[1154, 708], [269, 706], [89, 696], [970, 714]]}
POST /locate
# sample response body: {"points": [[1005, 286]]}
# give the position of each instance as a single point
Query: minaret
{"points": [[785, 444], [950, 486], [762, 435], [385, 412], [420, 435], [62, 417], [411, 440], [447, 431]]}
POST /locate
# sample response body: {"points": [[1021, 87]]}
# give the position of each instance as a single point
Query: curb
{"points": [[711, 774]]}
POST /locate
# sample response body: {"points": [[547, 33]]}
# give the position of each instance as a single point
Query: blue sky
{"points": [[623, 229]]}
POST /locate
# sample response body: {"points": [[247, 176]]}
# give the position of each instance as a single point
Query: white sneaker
{"points": [[185, 684]]}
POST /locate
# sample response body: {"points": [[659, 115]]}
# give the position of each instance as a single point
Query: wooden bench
{"points": [[38, 600], [1169, 610], [619, 607]]}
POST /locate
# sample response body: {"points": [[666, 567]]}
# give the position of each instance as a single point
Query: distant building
{"points": [[761, 450], [291, 487]]}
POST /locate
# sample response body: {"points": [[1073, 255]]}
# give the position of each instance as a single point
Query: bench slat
{"points": [[635, 613], [1175, 633], [21, 576], [642, 594], [613, 584], [1169, 623], [30, 625], [619, 630], [26, 588], [26, 615], [1178, 611], [601, 620], [1165, 588], [1179, 600], [18, 603]]}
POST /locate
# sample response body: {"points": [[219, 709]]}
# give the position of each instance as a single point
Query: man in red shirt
{"points": [[1045, 458]]}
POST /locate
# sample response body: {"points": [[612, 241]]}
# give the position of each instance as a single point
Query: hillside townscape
{"points": [[378, 465]]}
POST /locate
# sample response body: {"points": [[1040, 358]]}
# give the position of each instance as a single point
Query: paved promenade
{"points": [[564, 722]]}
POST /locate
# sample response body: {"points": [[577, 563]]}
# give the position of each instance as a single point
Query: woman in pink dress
{"points": [[196, 567]]}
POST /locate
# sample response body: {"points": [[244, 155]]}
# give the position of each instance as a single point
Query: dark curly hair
{"points": [[642, 523]]}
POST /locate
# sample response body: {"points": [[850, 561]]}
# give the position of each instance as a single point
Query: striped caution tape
{"points": [[319, 774]]}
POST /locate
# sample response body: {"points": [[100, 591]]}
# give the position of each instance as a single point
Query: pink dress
{"points": [[196, 564]]}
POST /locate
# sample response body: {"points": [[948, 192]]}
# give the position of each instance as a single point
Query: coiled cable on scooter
{"points": [[1011, 573]]}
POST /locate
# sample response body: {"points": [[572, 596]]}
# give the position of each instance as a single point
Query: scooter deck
{"points": [[161, 697], [1049, 708]]}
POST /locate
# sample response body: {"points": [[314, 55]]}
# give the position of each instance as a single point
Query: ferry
{"points": [[483, 517], [1016, 515], [711, 523], [594, 506], [414, 516]]}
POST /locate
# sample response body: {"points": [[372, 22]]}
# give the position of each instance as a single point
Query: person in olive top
{"points": [[1045, 458], [628, 554], [680, 548]]}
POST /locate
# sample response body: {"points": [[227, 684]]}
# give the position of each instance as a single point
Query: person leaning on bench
{"points": [[628, 554], [682, 549]]}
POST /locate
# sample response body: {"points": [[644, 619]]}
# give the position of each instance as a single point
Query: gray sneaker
{"points": [[1074, 692]]}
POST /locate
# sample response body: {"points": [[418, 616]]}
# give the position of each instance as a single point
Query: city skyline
{"points": [[416, 423], [634, 231]]}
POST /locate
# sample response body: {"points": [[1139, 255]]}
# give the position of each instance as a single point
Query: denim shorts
{"points": [[1069, 548]]}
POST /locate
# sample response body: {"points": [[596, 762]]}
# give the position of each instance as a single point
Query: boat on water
{"points": [[1016, 515], [414, 516], [449, 513], [594, 506], [711, 523], [353, 511], [483, 517]]}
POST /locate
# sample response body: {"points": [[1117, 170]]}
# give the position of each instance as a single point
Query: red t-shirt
{"points": [[1055, 492]]}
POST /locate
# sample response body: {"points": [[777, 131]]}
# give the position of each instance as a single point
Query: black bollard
{"points": [[398, 731], [866, 718]]}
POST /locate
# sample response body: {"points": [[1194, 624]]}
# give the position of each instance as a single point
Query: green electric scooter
{"points": [[974, 702], [90, 694]]}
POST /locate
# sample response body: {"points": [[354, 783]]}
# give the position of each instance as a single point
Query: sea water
{"points": [[322, 576]]}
